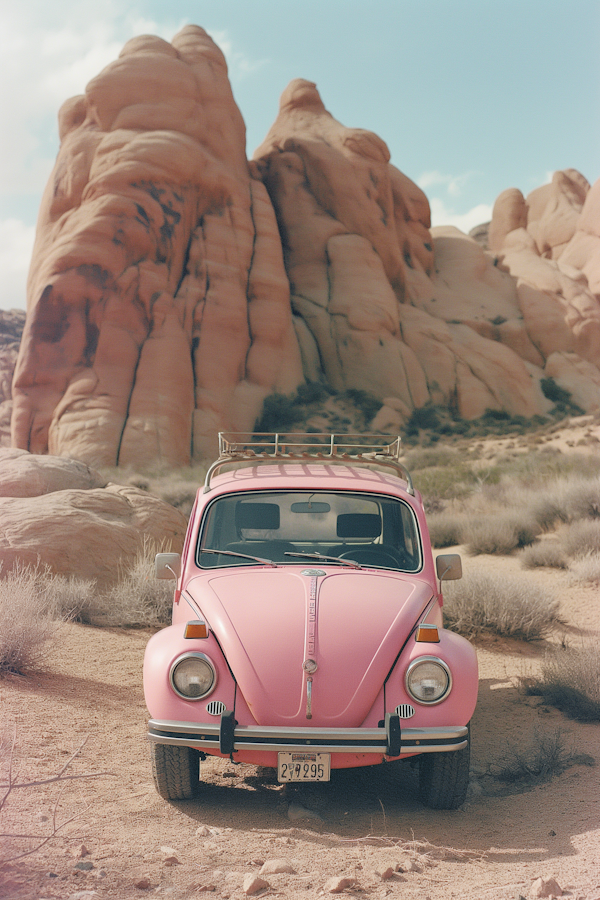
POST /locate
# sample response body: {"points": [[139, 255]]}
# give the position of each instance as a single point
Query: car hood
{"points": [[351, 624]]}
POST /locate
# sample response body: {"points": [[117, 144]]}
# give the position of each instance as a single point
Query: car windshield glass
{"points": [[371, 530]]}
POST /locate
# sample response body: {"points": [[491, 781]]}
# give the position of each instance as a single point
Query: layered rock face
{"points": [[158, 306], [174, 285], [412, 314]]}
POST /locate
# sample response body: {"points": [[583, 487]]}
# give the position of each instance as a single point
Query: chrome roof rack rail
{"points": [[249, 448]]}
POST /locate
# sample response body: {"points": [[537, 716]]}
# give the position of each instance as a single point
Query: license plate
{"points": [[303, 766]]}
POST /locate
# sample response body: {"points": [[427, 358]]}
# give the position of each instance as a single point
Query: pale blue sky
{"points": [[471, 96]]}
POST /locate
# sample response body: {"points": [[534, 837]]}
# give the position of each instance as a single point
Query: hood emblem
{"points": [[315, 573], [310, 666]]}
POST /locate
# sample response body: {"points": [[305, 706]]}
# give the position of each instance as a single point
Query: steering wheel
{"points": [[374, 556]]}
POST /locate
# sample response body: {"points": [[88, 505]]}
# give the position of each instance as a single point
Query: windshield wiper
{"points": [[333, 559], [258, 559]]}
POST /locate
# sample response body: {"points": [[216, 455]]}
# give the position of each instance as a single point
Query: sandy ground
{"points": [[118, 839]]}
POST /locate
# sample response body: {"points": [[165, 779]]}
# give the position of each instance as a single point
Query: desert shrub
{"points": [[509, 606], [583, 500], [586, 569], [570, 681], [428, 457], [179, 493], [501, 534], [546, 756], [28, 619], [444, 483], [581, 538], [446, 528], [544, 553], [137, 600], [366, 402]]}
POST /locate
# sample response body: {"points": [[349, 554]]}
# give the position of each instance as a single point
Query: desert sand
{"points": [[118, 839]]}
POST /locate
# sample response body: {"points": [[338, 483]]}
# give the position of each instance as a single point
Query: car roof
{"points": [[306, 476]]}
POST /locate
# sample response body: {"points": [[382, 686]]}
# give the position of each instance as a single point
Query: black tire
{"points": [[176, 771], [444, 777]]}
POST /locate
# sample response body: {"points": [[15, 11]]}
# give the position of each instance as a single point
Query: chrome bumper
{"points": [[326, 740]]}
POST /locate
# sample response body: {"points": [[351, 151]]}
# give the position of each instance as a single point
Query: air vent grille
{"points": [[215, 707], [405, 711]]}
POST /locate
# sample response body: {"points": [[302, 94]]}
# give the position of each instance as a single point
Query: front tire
{"points": [[444, 777], [176, 771]]}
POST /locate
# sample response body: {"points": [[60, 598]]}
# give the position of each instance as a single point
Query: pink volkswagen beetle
{"points": [[307, 623]]}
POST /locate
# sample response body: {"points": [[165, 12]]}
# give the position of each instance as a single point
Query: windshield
{"points": [[293, 528]]}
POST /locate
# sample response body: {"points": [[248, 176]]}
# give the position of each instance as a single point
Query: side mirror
{"points": [[448, 567], [167, 565]]}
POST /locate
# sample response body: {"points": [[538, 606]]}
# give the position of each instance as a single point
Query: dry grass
{"points": [[581, 538], [29, 620], [500, 604], [544, 553], [570, 681], [501, 533], [446, 528], [546, 756], [586, 569]]}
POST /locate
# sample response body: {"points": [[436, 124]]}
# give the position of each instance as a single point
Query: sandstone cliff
{"points": [[174, 285]]}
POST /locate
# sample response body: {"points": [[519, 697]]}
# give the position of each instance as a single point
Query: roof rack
{"points": [[254, 448]]}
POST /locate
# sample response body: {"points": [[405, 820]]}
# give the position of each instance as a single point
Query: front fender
{"points": [[461, 658], [162, 650]]}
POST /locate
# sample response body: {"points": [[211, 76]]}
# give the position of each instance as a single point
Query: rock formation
{"points": [[11, 330], [158, 306], [383, 303], [174, 285], [58, 513]]}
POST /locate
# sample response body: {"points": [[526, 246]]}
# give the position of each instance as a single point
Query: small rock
{"points": [[386, 874], [203, 831], [410, 866], [253, 884], [80, 851], [207, 888], [545, 887], [259, 861], [84, 865], [169, 851], [337, 884], [171, 861], [277, 867], [143, 884]]}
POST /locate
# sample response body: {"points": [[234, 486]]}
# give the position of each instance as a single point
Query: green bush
{"points": [[509, 606]]}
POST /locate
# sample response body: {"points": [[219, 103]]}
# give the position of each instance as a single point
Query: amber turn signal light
{"points": [[196, 629], [427, 634]]}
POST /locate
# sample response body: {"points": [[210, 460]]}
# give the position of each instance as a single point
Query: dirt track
{"points": [[363, 825]]}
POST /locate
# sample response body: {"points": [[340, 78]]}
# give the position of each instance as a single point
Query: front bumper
{"points": [[390, 740]]}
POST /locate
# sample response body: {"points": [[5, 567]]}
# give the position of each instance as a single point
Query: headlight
{"points": [[193, 676], [428, 679]]}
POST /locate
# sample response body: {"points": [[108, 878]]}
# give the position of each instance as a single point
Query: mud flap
{"points": [[227, 732], [393, 732]]}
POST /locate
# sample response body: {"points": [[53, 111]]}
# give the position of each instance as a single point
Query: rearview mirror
{"points": [[448, 567], [312, 506], [167, 565]]}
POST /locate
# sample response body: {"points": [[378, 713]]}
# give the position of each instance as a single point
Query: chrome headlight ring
{"points": [[432, 684], [193, 673]]}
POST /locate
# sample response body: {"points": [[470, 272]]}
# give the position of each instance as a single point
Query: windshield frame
{"points": [[290, 560]]}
